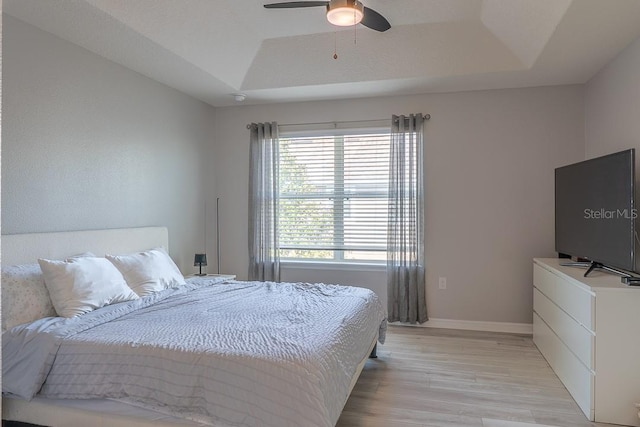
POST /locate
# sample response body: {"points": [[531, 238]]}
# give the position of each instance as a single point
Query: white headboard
{"points": [[27, 248]]}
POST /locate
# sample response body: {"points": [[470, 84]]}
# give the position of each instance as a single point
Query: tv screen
{"points": [[595, 211]]}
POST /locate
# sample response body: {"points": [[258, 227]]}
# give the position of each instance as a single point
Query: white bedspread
{"points": [[237, 354]]}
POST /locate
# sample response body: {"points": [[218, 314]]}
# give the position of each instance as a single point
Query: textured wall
{"points": [[489, 161], [90, 144]]}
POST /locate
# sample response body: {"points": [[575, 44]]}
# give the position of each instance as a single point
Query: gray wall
{"points": [[612, 106], [90, 144], [489, 160]]}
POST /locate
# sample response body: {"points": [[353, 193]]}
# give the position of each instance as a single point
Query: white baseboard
{"points": [[473, 325]]}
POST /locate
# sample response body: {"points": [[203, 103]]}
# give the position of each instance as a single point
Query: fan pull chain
{"points": [[335, 45], [355, 28]]}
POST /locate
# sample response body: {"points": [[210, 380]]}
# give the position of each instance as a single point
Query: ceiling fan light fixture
{"points": [[345, 13]]}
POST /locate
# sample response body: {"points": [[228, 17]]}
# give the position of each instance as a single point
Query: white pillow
{"points": [[80, 285], [24, 295], [149, 271]]}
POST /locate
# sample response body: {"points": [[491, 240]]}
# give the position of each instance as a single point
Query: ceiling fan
{"points": [[342, 12]]}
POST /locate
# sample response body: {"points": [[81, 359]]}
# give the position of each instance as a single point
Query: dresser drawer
{"points": [[576, 377], [576, 337], [572, 299]]}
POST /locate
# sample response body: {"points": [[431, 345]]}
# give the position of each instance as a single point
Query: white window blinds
{"points": [[333, 196]]}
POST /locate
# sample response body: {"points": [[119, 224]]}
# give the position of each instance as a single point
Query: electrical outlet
{"points": [[442, 282]]}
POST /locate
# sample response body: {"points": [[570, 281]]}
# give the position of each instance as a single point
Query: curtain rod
{"points": [[424, 116]]}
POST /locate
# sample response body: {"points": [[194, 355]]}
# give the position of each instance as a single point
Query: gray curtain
{"points": [[264, 261], [405, 238]]}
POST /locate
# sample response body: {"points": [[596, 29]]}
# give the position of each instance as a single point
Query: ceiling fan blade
{"points": [[292, 4], [374, 20]]}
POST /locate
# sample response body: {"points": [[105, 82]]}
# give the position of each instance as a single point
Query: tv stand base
{"points": [[631, 281], [625, 277]]}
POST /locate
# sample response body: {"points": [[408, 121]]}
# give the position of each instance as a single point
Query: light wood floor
{"points": [[447, 378]]}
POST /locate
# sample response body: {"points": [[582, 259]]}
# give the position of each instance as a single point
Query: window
{"points": [[333, 196]]}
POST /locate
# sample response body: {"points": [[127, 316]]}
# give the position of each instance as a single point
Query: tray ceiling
{"points": [[212, 49]]}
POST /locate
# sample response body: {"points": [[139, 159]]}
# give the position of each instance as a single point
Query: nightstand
{"points": [[221, 276], [216, 277]]}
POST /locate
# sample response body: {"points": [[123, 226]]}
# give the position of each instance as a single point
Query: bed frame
{"points": [[26, 249]]}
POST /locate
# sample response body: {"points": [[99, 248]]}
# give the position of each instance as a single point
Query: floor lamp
{"points": [[218, 232], [201, 259]]}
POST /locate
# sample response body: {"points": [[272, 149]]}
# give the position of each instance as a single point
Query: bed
{"points": [[203, 353]]}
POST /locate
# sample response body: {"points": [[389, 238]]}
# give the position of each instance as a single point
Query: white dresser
{"points": [[588, 329]]}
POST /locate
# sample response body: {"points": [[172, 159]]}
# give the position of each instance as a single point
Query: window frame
{"points": [[338, 261]]}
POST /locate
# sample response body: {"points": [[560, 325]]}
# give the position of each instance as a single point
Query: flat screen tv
{"points": [[595, 211]]}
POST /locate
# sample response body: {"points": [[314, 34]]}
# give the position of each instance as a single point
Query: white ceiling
{"points": [[211, 49]]}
